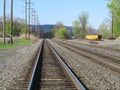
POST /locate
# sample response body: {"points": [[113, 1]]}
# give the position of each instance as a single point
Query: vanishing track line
{"points": [[51, 73]]}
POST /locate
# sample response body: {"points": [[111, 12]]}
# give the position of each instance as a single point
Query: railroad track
{"points": [[99, 48], [94, 45], [51, 73], [111, 61]]}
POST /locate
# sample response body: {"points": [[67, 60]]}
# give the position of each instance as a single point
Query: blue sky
{"points": [[66, 11]]}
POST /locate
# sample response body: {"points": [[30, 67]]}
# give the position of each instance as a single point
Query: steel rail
{"points": [[77, 82], [114, 65], [35, 67], [102, 54]]}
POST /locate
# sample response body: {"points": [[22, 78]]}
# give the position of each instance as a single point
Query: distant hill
{"points": [[49, 27], [46, 27]]}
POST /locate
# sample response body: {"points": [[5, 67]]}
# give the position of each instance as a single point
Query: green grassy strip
{"points": [[16, 43]]}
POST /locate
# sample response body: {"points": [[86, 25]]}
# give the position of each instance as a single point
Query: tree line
{"points": [[59, 31], [18, 26], [81, 27], [108, 28]]}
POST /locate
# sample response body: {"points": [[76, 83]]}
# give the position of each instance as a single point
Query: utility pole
{"points": [[112, 24], [26, 19], [39, 30], [29, 19], [11, 22], [38, 27], [4, 20], [33, 20]]}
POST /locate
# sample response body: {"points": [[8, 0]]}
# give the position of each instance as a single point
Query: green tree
{"points": [[8, 26], [18, 27], [116, 27], [103, 30], [22, 28], [114, 6], [76, 29], [55, 29], [53, 32], [63, 33]]}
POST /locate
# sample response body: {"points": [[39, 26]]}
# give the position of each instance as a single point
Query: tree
{"points": [[55, 29], [114, 6], [83, 18], [63, 33], [8, 26], [76, 29], [116, 27], [18, 27], [103, 30], [80, 25], [22, 28]]}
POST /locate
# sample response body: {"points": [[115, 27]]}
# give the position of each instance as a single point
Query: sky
{"points": [[65, 11]]}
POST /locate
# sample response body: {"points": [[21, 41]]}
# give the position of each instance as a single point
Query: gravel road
{"points": [[94, 75], [15, 63]]}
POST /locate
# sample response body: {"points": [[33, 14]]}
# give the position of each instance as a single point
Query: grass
{"points": [[16, 43]]}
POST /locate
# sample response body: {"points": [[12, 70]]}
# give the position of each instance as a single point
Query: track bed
{"points": [[50, 75]]}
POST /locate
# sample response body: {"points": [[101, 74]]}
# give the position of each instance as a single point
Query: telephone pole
{"points": [[29, 19], [112, 24], [26, 19], [4, 20], [33, 17], [11, 22]]}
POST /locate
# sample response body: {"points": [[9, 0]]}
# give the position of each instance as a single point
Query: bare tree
{"points": [[80, 25], [83, 18]]}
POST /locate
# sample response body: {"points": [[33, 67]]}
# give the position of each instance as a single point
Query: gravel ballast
{"points": [[93, 48], [15, 63], [105, 43], [94, 75]]}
